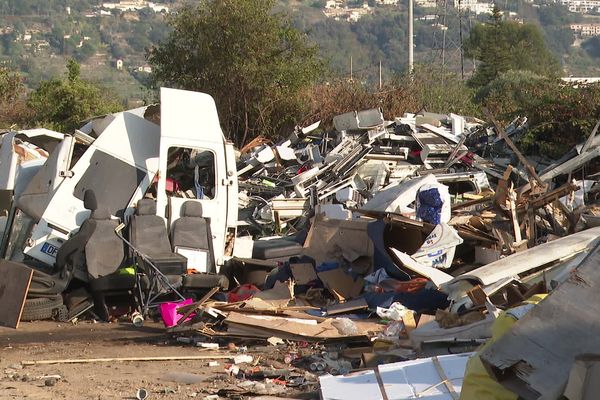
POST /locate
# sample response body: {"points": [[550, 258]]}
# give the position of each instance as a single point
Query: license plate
{"points": [[49, 249]]}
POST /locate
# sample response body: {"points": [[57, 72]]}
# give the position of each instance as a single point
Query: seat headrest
{"points": [[191, 209], [101, 213], [146, 207], [89, 200]]}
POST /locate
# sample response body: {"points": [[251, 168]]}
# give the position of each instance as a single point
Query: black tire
{"points": [[40, 308], [62, 314]]}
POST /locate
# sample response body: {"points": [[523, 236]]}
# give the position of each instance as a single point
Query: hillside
{"points": [[38, 37]]}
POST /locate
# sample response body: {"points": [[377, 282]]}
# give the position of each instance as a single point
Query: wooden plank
{"points": [[15, 279], [191, 308], [512, 198], [500, 131], [131, 359], [348, 306], [341, 284], [534, 357], [477, 295], [303, 273]]}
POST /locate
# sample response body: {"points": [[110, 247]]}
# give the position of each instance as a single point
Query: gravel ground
{"points": [[46, 340]]}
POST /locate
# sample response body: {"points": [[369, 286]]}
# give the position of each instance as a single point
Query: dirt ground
{"points": [[46, 340]]}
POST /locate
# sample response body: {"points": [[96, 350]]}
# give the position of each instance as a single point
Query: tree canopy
{"points": [[62, 104], [592, 46], [559, 114], [248, 57], [11, 85], [501, 46]]}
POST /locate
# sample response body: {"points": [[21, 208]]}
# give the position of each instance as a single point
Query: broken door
{"points": [[196, 164]]}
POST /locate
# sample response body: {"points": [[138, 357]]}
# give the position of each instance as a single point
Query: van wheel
{"points": [[61, 314], [40, 308]]}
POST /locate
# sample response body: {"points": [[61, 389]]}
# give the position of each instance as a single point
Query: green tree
{"points": [[63, 103], [248, 57], [13, 110], [559, 114], [501, 46], [11, 85], [592, 46]]}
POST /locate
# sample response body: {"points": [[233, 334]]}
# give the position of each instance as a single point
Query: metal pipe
{"points": [[410, 37]]}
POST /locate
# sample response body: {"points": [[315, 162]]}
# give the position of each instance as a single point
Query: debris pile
{"points": [[391, 248]]}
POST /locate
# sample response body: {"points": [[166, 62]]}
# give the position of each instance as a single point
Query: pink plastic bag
{"points": [[168, 312]]}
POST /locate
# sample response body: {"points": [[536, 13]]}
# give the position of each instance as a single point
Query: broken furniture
{"points": [[152, 252], [14, 283], [191, 237], [534, 358]]}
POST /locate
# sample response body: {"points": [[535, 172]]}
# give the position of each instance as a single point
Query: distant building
{"points": [[474, 6], [582, 6], [119, 65], [348, 14], [145, 68], [135, 5], [584, 30], [426, 3], [388, 2], [334, 4], [582, 80]]}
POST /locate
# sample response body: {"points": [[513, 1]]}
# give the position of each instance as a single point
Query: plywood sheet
{"points": [[14, 284], [535, 356]]}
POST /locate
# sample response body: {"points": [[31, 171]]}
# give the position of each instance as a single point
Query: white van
{"points": [[179, 155]]}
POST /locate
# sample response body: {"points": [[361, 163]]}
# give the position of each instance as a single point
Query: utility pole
{"points": [[351, 76], [380, 77], [410, 37]]}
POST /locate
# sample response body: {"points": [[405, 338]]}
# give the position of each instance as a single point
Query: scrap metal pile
{"points": [[384, 247], [396, 245]]}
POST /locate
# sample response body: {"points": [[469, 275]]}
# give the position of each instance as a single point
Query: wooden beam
{"points": [[121, 359]]}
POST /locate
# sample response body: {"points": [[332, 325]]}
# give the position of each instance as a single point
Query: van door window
{"points": [[191, 173]]}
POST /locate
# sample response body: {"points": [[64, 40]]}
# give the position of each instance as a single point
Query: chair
{"points": [[104, 251], [70, 256], [191, 236], [104, 255], [152, 248], [191, 232]]}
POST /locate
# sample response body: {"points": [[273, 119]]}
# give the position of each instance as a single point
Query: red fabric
{"points": [[242, 292]]}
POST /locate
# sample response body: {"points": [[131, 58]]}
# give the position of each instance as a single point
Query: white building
{"points": [[582, 6], [426, 3], [388, 2], [474, 6], [586, 29], [334, 4], [348, 14], [145, 68], [135, 5]]}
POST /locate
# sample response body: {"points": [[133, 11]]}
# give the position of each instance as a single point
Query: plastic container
{"points": [[168, 312]]}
